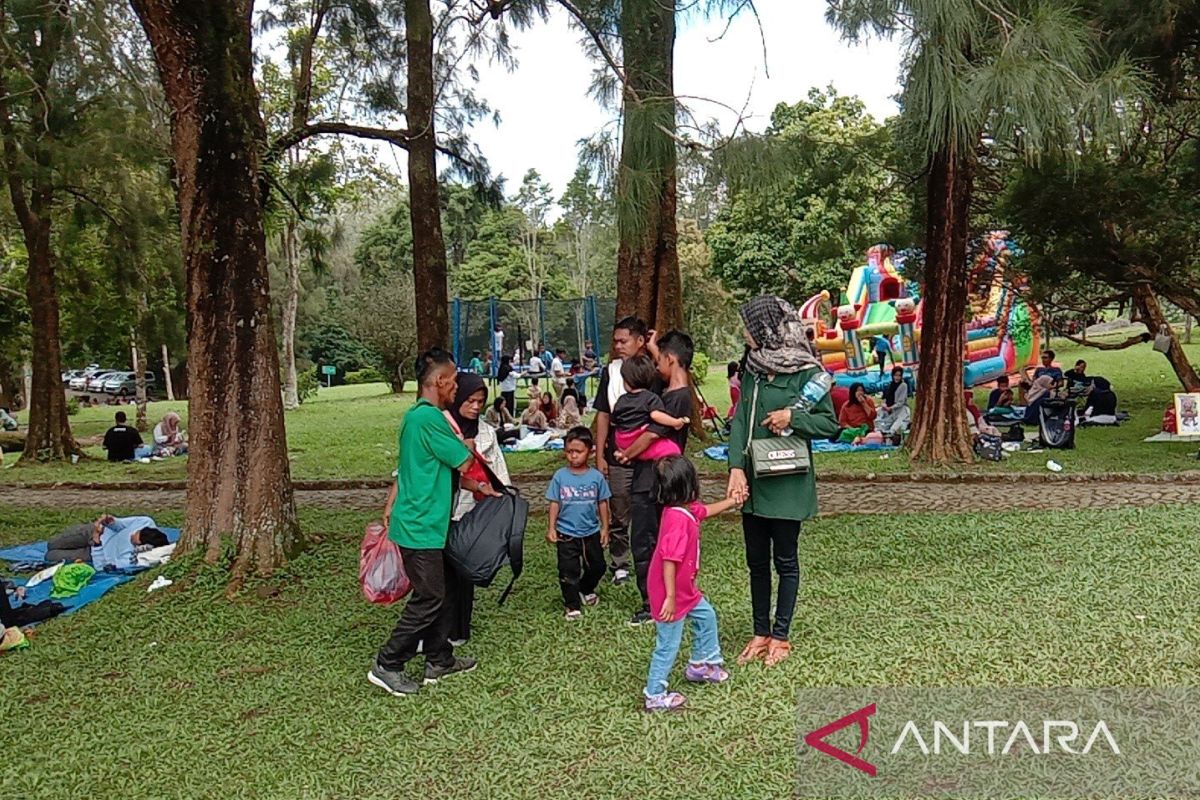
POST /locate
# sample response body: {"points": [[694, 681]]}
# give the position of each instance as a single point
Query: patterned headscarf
{"points": [[782, 347]]}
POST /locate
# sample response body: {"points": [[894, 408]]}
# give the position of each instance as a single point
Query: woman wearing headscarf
{"points": [[481, 439], [779, 361], [169, 438]]}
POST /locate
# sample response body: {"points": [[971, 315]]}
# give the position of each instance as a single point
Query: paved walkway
{"points": [[836, 497]]}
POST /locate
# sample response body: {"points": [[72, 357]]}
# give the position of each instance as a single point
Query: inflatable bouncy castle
{"points": [[878, 301]]}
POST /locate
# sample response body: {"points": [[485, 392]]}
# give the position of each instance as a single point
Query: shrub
{"points": [[307, 383], [367, 375], [72, 406], [700, 365]]}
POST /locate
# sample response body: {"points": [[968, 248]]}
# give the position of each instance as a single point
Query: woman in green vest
{"points": [[779, 361]]}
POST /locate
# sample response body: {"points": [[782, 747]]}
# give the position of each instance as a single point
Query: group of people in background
{"points": [[629, 489], [123, 442]]}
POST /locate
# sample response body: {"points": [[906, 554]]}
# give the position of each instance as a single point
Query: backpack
{"points": [[1015, 433], [1056, 424], [988, 446], [491, 535]]}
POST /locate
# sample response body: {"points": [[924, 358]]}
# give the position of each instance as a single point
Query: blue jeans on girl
{"points": [[706, 649]]}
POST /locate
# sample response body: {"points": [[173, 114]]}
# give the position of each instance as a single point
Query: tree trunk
{"points": [[9, 388], [940, 434], [649, 285], [167, 374], [1187, 328], [49, 435], [239, 481], [1146, 302], [291, 393], [429, 249], [139, 373]]}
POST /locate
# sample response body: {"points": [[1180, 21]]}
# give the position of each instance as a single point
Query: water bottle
{"points": [[813, 392]]}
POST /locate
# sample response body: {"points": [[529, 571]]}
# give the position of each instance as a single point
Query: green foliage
{"points": [[828, 194], [700, 363], [380, 313], [72, 406], [709, 310], [308, 382], [368, 375], [331, 344], [387, 245]]}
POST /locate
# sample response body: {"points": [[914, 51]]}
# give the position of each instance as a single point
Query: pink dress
{"points": [[678, 541]]}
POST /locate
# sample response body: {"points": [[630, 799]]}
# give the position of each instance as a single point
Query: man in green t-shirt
{"points": [[418, 516]]}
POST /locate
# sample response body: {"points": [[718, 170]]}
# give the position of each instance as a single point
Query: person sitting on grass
{"points": [[121, 441], [578, 528], [893, 416], [533, 418], [1078, 382], [1001, 396], [674, 595], [569, 416], [107, 543], [169, 438], [639, 407], [549, 409], [858, 412]]}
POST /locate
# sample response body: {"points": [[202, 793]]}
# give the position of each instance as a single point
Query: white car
{"points": [[78, 383], [96, 382]]}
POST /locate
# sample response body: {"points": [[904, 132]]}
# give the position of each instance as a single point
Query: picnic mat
{"points": [[99, 585], [34, 553], [1164, 436]]}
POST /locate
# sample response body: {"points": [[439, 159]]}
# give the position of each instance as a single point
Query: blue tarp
{"points": [[99, 585]]}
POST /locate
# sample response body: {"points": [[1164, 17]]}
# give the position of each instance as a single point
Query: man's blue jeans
{"points": [[706, 648]]}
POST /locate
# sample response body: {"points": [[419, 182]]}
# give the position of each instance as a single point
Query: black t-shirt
{"points": [[677, 403], [601, 406], [633, 410], [120, 441]]}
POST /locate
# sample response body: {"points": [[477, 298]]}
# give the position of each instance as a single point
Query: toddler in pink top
{"points": [[671, 584], [639, 407]]}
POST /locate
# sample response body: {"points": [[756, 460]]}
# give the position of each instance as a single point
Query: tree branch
{"points": [[1137, 338], [579, 16]]}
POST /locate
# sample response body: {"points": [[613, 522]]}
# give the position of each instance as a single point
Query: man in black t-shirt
{"points": [[629, 339], [121, 440], [674, 357]]}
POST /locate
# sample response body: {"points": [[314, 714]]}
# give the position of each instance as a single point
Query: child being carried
{"points": [[639, 407]]}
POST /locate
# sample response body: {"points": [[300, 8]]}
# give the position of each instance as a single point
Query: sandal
{"points": [[777, 651], [755, 650]]}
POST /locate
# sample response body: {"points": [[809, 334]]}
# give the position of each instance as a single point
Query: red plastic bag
{"points": [[380, 568]]}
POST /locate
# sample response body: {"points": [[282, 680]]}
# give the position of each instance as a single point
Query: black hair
{"points": [[1002, 379], [1081, 362], [732, 369], [475, 353], [898, 370], [153, 537], [632, 324], [499, 401], [120, 417], [679, 345], [560, 351], [678, 483], [1049, 354], [639, 372], [854, 387], [579, 433], [429, 362]]}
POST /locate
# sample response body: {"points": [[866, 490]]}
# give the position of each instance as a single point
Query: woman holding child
{"points": [[779, 361]]}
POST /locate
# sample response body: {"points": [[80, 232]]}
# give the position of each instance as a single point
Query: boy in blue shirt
{"points": [[578, 496]]}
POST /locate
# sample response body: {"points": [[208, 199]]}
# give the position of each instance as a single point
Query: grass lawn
{"points": [[350, 432], [184, 693]]}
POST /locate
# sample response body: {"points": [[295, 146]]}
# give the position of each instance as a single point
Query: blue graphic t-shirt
{"points": [[578, 498]]}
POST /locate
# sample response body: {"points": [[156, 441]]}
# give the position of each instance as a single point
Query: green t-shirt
{"points": [[429, 454]]}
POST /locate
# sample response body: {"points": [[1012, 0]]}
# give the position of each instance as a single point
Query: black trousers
{"points": [[510, 398], [460, 604], [770, 540], [26, 614], [620, 482], [580, 567], [426, 617], [644, 517]]}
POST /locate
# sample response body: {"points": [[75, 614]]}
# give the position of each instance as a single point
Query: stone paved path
{"points": [[841, 497]]}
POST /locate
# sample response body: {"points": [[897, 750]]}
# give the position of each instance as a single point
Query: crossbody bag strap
{"points": [[753, 417]]}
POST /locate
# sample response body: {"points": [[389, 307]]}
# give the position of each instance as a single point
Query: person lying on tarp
{"points": [[107, 543], [15, 613]]}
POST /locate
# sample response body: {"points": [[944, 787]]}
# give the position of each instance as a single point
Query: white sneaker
{"points": [[591, 599], [457, 642], [620, 576], [573, 613]]}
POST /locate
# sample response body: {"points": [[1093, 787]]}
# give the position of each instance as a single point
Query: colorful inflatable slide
{"points": [[878, 301]]}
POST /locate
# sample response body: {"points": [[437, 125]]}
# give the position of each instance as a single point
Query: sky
{"points": [[545, 109]]}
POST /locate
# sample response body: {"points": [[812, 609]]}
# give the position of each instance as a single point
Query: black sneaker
{"points": [[434, 673], [392, 681], [640, 618]]}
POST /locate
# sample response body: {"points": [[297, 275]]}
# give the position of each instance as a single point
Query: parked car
{"points": [[125, 383], [70, 375], [79, 382], [96, 382]]}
